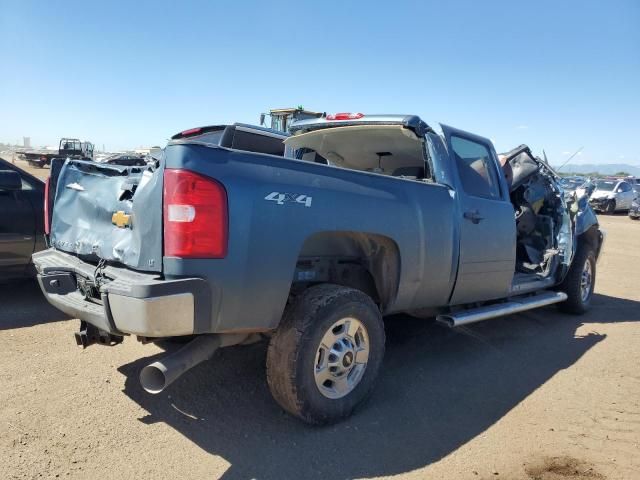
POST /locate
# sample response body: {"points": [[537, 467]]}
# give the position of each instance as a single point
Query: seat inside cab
{"points": [[384, 149]]}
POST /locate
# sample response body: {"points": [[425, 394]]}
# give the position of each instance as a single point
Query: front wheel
{"points": [[611, 207], [324, 359], [580, 281]]}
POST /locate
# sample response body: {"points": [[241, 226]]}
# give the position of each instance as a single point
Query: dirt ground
{"points": [[41, 173], [538, 395]]}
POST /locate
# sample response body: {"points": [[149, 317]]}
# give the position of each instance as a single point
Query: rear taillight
{"points": [[190, 132], [47, 223], [195, 215]]}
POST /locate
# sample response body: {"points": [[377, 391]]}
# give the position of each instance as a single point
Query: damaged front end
{"points": [[548, 221]]}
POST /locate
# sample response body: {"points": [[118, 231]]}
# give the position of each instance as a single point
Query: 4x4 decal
{"points": [[281, 198]]}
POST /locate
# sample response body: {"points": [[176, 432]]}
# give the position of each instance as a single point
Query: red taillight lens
{"points": [[345, 116], [191, 131], [47, 226], [195, 216]]}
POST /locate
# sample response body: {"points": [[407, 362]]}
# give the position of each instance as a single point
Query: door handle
{"points": [[473, 215]]}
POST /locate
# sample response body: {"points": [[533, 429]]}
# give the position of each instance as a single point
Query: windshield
{"points": [[70, 145], [606, 186]]}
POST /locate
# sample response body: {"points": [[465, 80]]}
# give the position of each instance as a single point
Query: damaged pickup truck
{"points": [[222, 241]]}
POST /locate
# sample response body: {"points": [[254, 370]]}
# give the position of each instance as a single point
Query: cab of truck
{"points": [[517, 232], [74, 148]]}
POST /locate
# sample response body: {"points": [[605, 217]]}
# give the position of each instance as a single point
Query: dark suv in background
{"points": [[21, 221]]}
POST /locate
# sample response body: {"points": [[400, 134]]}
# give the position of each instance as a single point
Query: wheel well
{"points": [[368, 262], [592, 237]]}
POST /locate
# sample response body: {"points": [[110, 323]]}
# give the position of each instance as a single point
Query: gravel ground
{"points": [[538, 395], [41, 173]]}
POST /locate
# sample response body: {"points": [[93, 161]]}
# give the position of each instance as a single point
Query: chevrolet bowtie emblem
{"points": [[121, 219]]}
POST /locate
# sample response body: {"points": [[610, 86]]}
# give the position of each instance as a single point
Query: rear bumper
{"points": [[126, 301]]}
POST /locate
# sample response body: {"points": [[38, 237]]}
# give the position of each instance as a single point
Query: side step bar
{"points": [[464, 317]]}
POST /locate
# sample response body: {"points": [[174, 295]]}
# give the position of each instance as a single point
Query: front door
{"points": [[17, 235], [626, 195], [487, 221]]}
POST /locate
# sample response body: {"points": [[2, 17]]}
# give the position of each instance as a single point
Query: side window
{"points": [[252, 142], [476, 168], [27, 184], [624, 187]]}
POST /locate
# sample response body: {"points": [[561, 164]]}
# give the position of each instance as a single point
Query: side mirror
{"points": [[10, 180]]}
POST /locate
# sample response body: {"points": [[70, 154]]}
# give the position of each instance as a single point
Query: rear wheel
{"points": [[580, 281], [324, 359]]}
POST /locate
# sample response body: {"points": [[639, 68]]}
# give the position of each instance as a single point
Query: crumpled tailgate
{"points": [[110, 212]]}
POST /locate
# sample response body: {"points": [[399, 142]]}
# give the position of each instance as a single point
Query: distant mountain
{"points": [[602, 169]]}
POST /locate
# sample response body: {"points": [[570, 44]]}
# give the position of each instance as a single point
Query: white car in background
{"points": [[613, 195]]}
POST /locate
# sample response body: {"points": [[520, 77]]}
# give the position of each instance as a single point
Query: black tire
{"points": [[576, 303], [611, 207], [293, 352]]}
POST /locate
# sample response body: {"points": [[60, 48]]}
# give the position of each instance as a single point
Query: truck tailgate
{"points": [[110, 212]]}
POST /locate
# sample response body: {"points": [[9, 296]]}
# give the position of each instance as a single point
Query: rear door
{"points": [[487, 221]]}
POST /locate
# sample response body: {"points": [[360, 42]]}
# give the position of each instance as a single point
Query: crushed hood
{"points": [[601, 194]]}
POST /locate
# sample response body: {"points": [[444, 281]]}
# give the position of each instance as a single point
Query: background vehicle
{"points": [[239, 136], [634, 211], [571, 184], [125, 159], [223, 239], [282, 118], [635, 184], [21, 221], [68, 148], [612, 195]]}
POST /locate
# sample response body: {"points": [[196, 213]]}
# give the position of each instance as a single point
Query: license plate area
{"points": [[88, 289]]}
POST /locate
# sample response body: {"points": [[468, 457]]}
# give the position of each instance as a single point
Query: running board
{"points": [[473, 315]]}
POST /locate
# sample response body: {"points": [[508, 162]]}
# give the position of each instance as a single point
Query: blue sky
{"points": [[557, 75]]}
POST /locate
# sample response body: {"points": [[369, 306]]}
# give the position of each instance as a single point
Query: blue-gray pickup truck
{"points": [[235, 233]]}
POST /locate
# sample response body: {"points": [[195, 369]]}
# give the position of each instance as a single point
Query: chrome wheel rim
{"points": [[341, 358], [586, 281]]}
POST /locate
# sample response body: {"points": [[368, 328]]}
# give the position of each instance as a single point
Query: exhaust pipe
{"points": [[159, 375]]}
